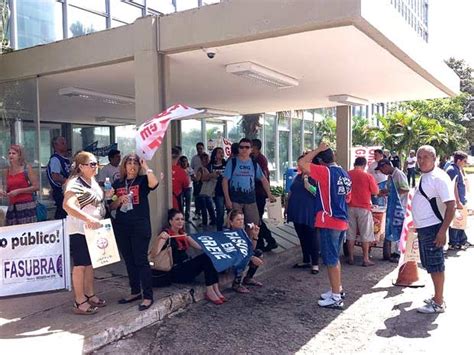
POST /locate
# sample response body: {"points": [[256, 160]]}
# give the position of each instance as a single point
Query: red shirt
{"points": [[18, 181], [180, 182], [363, 187]]}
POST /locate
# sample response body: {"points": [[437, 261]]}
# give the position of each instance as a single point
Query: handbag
{"points": [[163, 260], [41, 210]]}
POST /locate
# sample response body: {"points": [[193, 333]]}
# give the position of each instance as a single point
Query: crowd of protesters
{"points": [[326, 204]]}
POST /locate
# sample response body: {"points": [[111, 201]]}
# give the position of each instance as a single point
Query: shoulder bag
{"points": [[163, 260], [41, 210]]}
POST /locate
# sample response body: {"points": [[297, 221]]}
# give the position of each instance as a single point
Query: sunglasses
{"points": [[244, 147], [92, 164], [133, 160]]}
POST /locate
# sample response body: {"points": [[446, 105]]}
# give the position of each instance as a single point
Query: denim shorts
{"points": [[331, 241], [431, 256]]}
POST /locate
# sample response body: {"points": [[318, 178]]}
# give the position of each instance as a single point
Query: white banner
{"points": [[150, 134], [366, 152], [274, 211], [34, 257]]}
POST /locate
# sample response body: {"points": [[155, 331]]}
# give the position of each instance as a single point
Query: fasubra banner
{"points": [[34, 257]]}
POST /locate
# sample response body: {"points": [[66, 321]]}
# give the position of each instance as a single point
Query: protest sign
{"points": [[460, 219], [274, 211], [366, 152], [408, 244], [34, 257], [102, 245], [225, 249], [226, 145], [150, 134]]}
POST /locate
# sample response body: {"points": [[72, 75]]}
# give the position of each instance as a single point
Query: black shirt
{"points": [[139, 188], [220, 168]]}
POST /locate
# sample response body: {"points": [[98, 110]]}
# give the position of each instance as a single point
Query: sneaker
{"points": [[331, 302], [328, 294], [428, 300], [432, 307]]}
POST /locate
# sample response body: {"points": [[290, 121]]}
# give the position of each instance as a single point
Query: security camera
{"points": [[210, 52]]}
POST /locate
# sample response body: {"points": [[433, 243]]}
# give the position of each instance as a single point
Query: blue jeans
{"points": [[331, 242], [220, 209], [457, 236], [206, 205], [186, 202], [431, 256], [411, 173]]}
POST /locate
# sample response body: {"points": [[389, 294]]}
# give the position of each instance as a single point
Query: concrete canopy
{"points": [[358, 47]]}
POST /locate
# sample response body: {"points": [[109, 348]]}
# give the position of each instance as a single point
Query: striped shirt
{"points": [[90, 198]]}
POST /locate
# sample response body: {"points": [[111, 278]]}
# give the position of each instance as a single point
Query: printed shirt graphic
{"points": [[335, 190], [139, 188], [241, 182]]}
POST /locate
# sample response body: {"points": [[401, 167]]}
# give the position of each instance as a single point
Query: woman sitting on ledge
{"points": [[186, 268]]}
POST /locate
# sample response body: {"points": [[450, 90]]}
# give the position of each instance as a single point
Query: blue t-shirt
{"points": [[242, 181]]}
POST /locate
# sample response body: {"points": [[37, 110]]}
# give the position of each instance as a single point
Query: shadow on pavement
{"points": [[408, 324]]}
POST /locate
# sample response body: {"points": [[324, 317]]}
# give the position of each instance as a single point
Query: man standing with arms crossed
{"points": [[380, 178], [434, 189], [57, 172], [335, 189]]}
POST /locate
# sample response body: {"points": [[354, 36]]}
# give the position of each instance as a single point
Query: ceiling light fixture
{"points": [[348, 100], [95, 95], [115, 120], [262, 74]]}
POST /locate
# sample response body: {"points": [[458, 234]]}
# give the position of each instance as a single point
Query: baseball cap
{"points": [[382, 163]]}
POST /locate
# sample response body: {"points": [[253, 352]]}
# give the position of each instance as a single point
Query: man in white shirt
{"points": [[410, 168], [380, 178], [111, 170], [434, 194]]}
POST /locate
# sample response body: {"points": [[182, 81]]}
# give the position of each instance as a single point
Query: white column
{"points": [[343, 136], [151, 73]]}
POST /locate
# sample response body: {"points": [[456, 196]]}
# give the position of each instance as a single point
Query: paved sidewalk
{"points": [[45, 322]]}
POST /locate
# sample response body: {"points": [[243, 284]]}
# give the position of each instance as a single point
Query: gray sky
{"points": [[451, 24]]}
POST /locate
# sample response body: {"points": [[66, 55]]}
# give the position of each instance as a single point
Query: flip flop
{"points": [[368, 264]]}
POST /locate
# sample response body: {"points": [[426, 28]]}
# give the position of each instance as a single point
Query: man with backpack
{"points": [[238, 184]]}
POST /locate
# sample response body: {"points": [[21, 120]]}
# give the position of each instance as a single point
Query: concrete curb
{"points": [[166, 306]]}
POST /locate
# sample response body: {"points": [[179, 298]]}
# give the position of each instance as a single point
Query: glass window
{"points": [[38, 23], [269, 122], [82, 22], [234, 129], [296, 139], [163, 6], [115, 23], [308, 134], [190, 135], [182, 5], [96, 5], [215, 132], [82, 136], [124, 12], [125, 138]]}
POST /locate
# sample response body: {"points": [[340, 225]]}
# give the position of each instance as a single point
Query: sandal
{"points": [[240, 288], [100, 303], [252, 282], [89, 311]]}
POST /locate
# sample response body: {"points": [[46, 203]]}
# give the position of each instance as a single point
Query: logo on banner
{"points": [[32, 269]]}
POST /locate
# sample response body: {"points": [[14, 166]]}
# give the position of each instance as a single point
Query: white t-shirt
{"points": [[109, 171], [379, 176], [411, 162], [437, 184], [90, 200]]}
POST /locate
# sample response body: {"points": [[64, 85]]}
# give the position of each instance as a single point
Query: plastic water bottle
{"points": [[130, 201], [107, 187], [124, 208]]}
